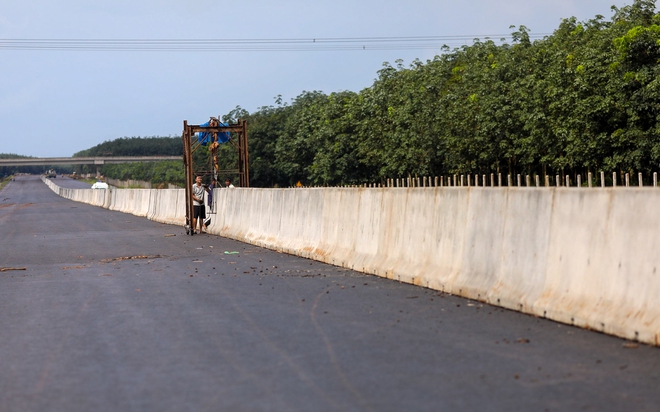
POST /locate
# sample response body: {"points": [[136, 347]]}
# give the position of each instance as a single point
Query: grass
{"points": [[4, 181]]}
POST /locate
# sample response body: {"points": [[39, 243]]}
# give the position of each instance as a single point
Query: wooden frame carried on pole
{"points": [[238, 139]]}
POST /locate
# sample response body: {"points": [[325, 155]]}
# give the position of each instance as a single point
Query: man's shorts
{"points": [[199, 212]]}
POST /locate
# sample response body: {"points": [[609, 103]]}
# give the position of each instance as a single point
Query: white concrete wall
{"points": [[138, 184], [586, 257]]}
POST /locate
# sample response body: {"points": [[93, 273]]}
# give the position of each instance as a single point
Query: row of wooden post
{"points": [[497, 181]]}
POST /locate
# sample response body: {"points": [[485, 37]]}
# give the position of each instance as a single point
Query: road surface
{"points": [[114, 312]]}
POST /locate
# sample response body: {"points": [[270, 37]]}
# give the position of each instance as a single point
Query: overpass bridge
{"points": [[99, 161]]}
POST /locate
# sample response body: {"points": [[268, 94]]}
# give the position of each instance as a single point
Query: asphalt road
{"points": [[118, 313]]}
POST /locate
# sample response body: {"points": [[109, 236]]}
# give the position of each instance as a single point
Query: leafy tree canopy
{"points": [[584, 99]]}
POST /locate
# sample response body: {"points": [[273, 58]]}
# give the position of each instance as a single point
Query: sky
{"points": [[56, 102]]}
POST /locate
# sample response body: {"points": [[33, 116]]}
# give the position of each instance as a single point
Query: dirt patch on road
{"points": [[131, 258], [8, 269]]}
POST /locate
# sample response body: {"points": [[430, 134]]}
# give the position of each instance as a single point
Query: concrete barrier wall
{"points": [[134, 201], [133, 184], [167, 206], [582, 257]]}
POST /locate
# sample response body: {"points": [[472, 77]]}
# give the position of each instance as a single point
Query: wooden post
{"points": [[508, 180], [528, 181], [655, 179], [499, 179], [589, 178], [613, 179], [188, 172], [602, 179], [627, 180], [568, 181], [579, 181], [558, 181], [547, 181], [518, 179], [641, 179], [538, 180]]}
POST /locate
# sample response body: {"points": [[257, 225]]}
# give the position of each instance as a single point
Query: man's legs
{"points": [[202, 218], [194, 221]]}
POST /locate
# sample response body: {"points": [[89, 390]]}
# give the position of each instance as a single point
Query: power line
{"points": [[253, 45]]}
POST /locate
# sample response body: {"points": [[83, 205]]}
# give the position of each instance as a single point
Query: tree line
{"points": [[584, 99]]}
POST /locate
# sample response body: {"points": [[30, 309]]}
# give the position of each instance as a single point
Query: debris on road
{"points": [[8, 269], [131, 258]]}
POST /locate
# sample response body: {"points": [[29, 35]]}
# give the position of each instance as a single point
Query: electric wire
{"points": [[256, 45]]}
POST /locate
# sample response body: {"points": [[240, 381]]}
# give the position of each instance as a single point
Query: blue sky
{"points": [[54, 103]]}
